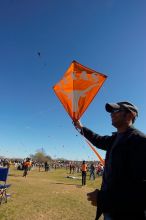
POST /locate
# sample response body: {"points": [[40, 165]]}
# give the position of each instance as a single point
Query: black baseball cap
{"points": [[110, 107]]}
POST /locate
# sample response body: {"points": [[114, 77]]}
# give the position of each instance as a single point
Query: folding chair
{"points": [[3, 187]]}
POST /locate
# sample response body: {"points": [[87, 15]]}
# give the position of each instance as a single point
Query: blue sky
{"points": [[108, 36]]}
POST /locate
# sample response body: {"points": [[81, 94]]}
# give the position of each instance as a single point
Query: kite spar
{"points": [[77, 89]]}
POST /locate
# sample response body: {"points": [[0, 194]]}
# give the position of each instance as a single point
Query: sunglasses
{"points": [[117, 110]]}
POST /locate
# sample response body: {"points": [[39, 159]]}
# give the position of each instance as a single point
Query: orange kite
{"points": [[77, 88]]}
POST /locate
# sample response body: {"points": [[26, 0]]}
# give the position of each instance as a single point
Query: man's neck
{"points": [[123, 128]]}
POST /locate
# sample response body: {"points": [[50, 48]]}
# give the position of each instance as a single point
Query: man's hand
{"points": [[92, 197], [78, 125]]}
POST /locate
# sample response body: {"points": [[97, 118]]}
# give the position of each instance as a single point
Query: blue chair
{"points": [[3, 186]]}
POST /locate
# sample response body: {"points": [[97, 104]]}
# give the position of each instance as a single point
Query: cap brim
{"points": [[111, 106]]}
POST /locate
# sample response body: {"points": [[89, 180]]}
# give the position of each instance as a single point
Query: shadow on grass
{"points": [[68, 184], [15, 175]]}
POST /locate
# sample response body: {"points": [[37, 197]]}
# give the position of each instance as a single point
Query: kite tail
{"points": [[90, 145], [97, 154]]}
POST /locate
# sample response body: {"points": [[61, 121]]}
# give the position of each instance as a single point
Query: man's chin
{"points": [[113, 124]]}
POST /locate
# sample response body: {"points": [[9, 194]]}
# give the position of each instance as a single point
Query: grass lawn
{"points": [[48, 196]]}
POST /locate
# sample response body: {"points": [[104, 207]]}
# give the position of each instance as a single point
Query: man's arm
{"points": [[99, 141]]}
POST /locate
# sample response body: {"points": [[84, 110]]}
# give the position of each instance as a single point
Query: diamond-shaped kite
{"points": [[77, 88]]}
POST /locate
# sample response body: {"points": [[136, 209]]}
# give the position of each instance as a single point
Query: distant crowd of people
{"points": [[4, 162], [94, 169]]}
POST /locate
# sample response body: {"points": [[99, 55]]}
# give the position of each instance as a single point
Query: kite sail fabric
{"points": [[77, 88]]}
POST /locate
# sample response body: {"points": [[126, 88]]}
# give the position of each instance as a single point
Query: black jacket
{"points": [[127, 186]]}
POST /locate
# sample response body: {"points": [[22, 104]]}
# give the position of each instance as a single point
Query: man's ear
{"points": [[131, 117]]}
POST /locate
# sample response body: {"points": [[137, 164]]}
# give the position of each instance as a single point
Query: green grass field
{"points": [[48, 196]]}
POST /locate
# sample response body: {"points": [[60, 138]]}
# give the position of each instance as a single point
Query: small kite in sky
{"points": [[39, 54]]}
